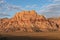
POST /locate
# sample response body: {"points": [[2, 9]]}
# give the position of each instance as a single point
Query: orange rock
{"points": [[29, 21]]}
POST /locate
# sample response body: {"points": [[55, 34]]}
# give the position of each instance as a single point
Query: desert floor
{"points": [[30, 36]]}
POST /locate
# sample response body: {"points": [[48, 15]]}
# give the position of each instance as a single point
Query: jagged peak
{"points": [[27, 15], [26, 12]]}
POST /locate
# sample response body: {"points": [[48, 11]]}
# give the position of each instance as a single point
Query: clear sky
{"points": [[49, 8]]}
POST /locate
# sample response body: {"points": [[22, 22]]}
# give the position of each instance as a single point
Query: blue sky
{"points": [[48, 8]]}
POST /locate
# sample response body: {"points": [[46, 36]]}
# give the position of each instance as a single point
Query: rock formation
{"points": [[29, 21]]}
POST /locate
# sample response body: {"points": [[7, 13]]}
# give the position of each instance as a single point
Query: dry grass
{"points": [[30, 36]]}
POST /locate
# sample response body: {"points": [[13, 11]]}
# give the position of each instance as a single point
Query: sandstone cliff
{"points": [[29, 21]]}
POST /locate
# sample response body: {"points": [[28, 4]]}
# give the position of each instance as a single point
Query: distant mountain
{"points": [[29, 21]]}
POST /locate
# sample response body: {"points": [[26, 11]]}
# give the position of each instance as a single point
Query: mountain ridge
{"points": [[29, 21]]}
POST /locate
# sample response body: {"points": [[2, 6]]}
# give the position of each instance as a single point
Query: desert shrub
{"points": [[51, 30], [36, 29]]}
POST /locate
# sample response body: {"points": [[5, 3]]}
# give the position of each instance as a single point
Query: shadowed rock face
{"points": [[29, 21]]}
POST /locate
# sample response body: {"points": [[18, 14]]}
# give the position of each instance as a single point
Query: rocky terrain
{"points": [[29, 21]]}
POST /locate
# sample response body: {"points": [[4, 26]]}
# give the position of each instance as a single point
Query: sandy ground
{"points": [[30, 36]]}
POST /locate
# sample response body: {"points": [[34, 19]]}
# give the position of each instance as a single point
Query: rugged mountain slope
{"points": [[29, 21]]}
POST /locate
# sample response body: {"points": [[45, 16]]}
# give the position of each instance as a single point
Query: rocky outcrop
{"points": [[29, 21]]}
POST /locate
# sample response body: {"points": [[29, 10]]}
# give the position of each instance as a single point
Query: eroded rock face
{"points": [[29, 21]]}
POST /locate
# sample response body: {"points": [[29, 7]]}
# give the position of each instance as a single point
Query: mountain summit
{"points": [[28, 21]]}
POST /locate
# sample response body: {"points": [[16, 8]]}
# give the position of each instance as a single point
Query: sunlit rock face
{"points": [[55, 21], [29, 21]]}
